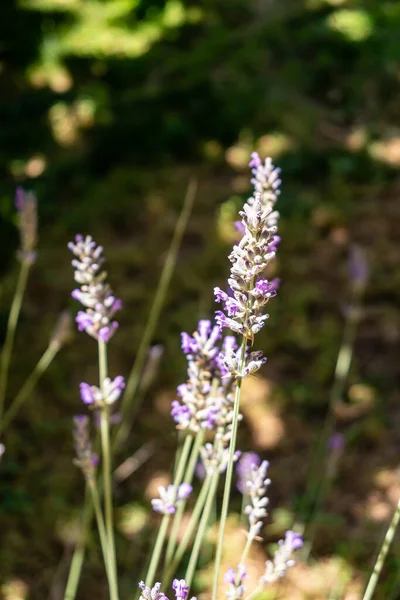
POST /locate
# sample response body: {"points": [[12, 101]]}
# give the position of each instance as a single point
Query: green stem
{"points": [[189, 529], [155, 311], [254, 594], [106, 459], [11, 327], [79, 552], [101, 527], [229, 472], [155, 557], [246, 550], [382, 554], [194, 555], [29, 385], [181, 508]]}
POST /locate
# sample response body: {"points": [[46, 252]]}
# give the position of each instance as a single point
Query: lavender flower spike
{"points": [[235, 579], [26, 205], [97, 398], [283, 558], [85, 459], [243, 310], [153, 593], [170, 498], [257, 484], [94, 293], [243, 469]]}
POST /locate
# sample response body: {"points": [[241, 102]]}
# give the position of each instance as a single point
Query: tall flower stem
{"points": [[194, 555], [229, 472], [11, 327], [29, 385], [106, 460], [101, 527], [155, 311], [79, 551], [181, 508], [162, 532], [382, 554], [189, 529]]}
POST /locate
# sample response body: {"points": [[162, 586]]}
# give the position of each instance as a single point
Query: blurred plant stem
{"points": [[162, 532], [11, 328], [100, 525], [188, 478], [382, 554], [29, 384], [189, 530], [229, 471], [106, 461], [316, 490], [205, 517], [131, 400], [78, 556]]}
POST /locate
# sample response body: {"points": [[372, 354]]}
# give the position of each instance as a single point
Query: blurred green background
{"points": [[107, 109]]}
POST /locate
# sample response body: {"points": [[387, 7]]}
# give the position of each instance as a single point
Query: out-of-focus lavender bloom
{"points": [[235, 580], [170, 498], [243, 469], [153, 593], [62, 333], [243, 312], [180, 588], [26, 205], [358, 268], [85, 459], [336, 442], [94, 396], [206, 399], [283, 557], [256, 484], [216, 457], [94, 293]]}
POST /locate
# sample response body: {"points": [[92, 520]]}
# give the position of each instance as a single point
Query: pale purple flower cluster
{"points": [[283, 557], [85, 459], [235, 580], [94, 293], [96, 397], [170, 498], [216, 456], [206, 398], [26, 205], [249, 291], [257, 484], [243, 469], [181, 590]]}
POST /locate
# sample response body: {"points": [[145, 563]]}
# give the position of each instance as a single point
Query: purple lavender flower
{"points": [[94, 293], [153, 593], [235, 579], [244, 469], [180, 588], [336, 442], [243, 313], [358, 267], [283, 557], [216, 457], [257, 483], [26, 205], [96, 397], [170, 498], [204, 400], [85, 459]]}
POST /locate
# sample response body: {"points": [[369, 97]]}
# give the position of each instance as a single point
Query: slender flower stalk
{"points": [[78, 556], [155, 311], [167, 504], [387, 542], [26, 205], [60, 337], [244, 303]]}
